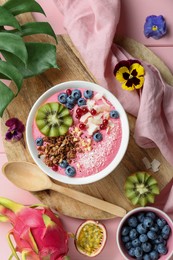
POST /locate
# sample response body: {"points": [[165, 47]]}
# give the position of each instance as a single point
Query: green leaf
{"points": [[6, 96], [35, 28], [23, 6], [14, 44], [41, 56], [6, 18], [12, 73]]}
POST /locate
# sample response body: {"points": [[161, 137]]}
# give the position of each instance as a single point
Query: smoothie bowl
{"points": [[77, 132]]}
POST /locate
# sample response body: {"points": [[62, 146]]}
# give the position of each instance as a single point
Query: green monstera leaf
{"points": [[20, 59]]}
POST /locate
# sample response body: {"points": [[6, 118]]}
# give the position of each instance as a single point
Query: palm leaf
{"points": [[41, 56], [14, 44], [35, 28], [8, 71], [23, 60], [6, 96], [6, 18], [22, 6]]}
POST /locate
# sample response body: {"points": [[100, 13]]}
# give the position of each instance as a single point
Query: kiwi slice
{"points": [[53, 119], [141, 188]]}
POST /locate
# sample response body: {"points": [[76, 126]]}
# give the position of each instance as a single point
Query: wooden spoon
{"points": [[28, 176]]}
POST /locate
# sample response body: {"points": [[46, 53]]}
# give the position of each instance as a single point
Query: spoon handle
{"points": [[89, 200]]}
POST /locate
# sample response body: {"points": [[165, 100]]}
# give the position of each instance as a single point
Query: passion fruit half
{"points": [[90, 238]]}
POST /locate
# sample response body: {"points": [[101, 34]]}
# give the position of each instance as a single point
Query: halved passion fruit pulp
{"points": [[90, 238]]}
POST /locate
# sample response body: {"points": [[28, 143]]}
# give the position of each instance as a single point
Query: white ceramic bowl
{"points": [[159, 213], [123, 146]]}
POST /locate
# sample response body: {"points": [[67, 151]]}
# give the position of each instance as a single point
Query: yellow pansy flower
{"points": [[130, 73]]}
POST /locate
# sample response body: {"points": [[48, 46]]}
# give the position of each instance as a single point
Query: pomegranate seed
{"points": [[79, 111], [55, 168], [84, 110], [102, 127], [82, 126], [68, 92], [77, 116], [93, 112], [105, 121]]}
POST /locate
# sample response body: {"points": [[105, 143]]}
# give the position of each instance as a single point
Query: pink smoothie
{"points": [[96, 155]]}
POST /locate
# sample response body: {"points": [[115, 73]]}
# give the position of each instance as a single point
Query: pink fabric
{"points": [[92, 26]]}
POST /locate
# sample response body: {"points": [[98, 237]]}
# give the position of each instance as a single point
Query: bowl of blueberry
{"points": [[77, 132], [145, 233]]}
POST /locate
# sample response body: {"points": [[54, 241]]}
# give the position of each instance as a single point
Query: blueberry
{"points": [[155, 228], [125, 231], [39, 141], [76, 93], [146, 247], [125, 239], [162, 249], [148, 222], [70, 171], [114, 114], [69, 106], [71, 100], [62, 98], [97, 137], [143, 238], [154, 255], [146, 257], [136, 242], [155, 248], [158, 240], [131, 251], [164, 242], [151, 215], [128, 245], [63, 164], [133, 234], [88, 93], [81, 102], [165, 236], [166, 230], [151, 235], [132, 221], [138, 252], [141, 229], [141, 217], [161, 222]]}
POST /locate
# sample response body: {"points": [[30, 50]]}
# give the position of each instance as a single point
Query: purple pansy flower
{"points": [[155, 27], [15, 131]]}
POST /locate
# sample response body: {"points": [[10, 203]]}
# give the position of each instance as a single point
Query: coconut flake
{"points": [[105, 101], [96, 119], [98, 96], [102, 108], [146, 163], [84, 118], [90, 103], [155, 164], [106, 115], [111, 124], [92, 128]]}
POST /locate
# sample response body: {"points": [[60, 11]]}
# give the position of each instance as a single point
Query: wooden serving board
{"points": [[110, 188]]}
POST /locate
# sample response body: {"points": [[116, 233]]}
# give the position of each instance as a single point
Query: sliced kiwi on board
{"points": [[53, 119], [141, 188]]}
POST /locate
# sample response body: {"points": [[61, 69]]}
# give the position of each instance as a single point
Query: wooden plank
{"points": [[110, 188]]}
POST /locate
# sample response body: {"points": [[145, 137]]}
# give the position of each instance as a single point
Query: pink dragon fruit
{"points": [[38, 233]]}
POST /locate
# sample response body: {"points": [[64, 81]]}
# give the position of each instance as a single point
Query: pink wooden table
{"points": [[130, 28]]}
